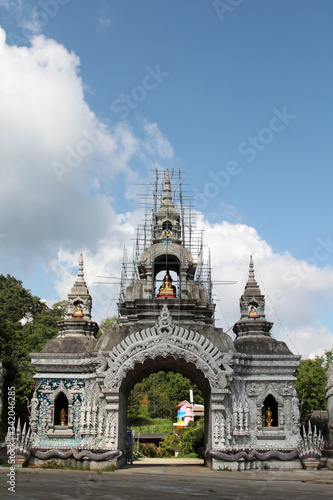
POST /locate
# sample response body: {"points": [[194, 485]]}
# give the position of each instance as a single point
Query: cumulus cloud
{"points": [[103, 267], [295, 311], [61, 171], [298, 294], [156, 142], [57, 155]]}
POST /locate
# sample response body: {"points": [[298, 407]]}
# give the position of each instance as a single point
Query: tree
{"points": [[60, 309], [26, 323], [311, 383], [160, 393], [169, 445], [189, 440], [107, 324], [192, 437]]}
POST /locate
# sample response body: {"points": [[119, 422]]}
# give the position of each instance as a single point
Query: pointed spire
{"points": [[80, 274], [80, 286], [251, 270], [79, 296], [167, 198], [251, 287], [252, 323]]}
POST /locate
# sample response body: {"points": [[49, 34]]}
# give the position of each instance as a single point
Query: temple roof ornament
{"points": [[253, 323], [251, 288], [80, 286], [167, 245], [167, 203], [79, 299]]}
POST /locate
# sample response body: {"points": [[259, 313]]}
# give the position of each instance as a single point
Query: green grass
{"points": [[188, 455], [53, 464], [147, 425]]}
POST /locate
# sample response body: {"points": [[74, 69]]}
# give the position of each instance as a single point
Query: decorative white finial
{"points": [[80, 274], [251, 270], [167, 198]]}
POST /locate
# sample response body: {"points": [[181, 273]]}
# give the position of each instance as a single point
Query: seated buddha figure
{"points": [[63, 416], [167, 289], [78, 313], [253, 312]]}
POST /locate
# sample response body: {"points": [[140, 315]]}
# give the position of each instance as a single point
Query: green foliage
{"points": [[188, 455], [192, 437], [60, 308], [189, 440], [26, 323], [321, 424], [311, 383], [106, 325], [169, 445], [148, 450], [157, 396], [159, 425], [65, 465]]}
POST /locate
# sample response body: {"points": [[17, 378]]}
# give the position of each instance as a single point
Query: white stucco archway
{"points": [[165, 346]]}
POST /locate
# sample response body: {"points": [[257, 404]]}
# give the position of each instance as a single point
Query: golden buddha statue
{"points": [[253, 312], [63, 417], [269, 418], [167, 234], [78, 313], [167, 289]]}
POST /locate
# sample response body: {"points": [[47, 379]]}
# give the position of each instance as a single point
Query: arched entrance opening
{"points": [[166, 403], [160, 363]]}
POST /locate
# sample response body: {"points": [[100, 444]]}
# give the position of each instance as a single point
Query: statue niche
{"points": [[78, 313], [61, 410], [270, 412], [253, 312], [167, 289]]}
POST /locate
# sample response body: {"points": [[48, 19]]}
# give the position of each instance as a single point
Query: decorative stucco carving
{"points": [[167, 339], [98, 362]]}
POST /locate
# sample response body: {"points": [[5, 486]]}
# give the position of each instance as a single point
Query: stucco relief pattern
{"points": [[42, 410], [167, 339]]}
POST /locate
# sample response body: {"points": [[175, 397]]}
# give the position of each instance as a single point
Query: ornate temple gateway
{"points": [[166, 322]]}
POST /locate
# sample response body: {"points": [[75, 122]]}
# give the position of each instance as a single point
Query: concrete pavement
{"points": [[149, 479], [195, 466]]}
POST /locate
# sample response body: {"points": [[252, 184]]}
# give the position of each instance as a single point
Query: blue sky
{"points": [[235, 93]]}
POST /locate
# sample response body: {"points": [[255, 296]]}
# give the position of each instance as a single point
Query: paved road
{"points": [[168, 481]]}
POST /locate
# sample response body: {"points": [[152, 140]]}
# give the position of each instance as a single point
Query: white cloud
{"points": [[311, 339], [45, 121], [57, 155], [296, 313], [103, 267], [104, 22], [297, 294], [31, 18], [156, 142]]}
